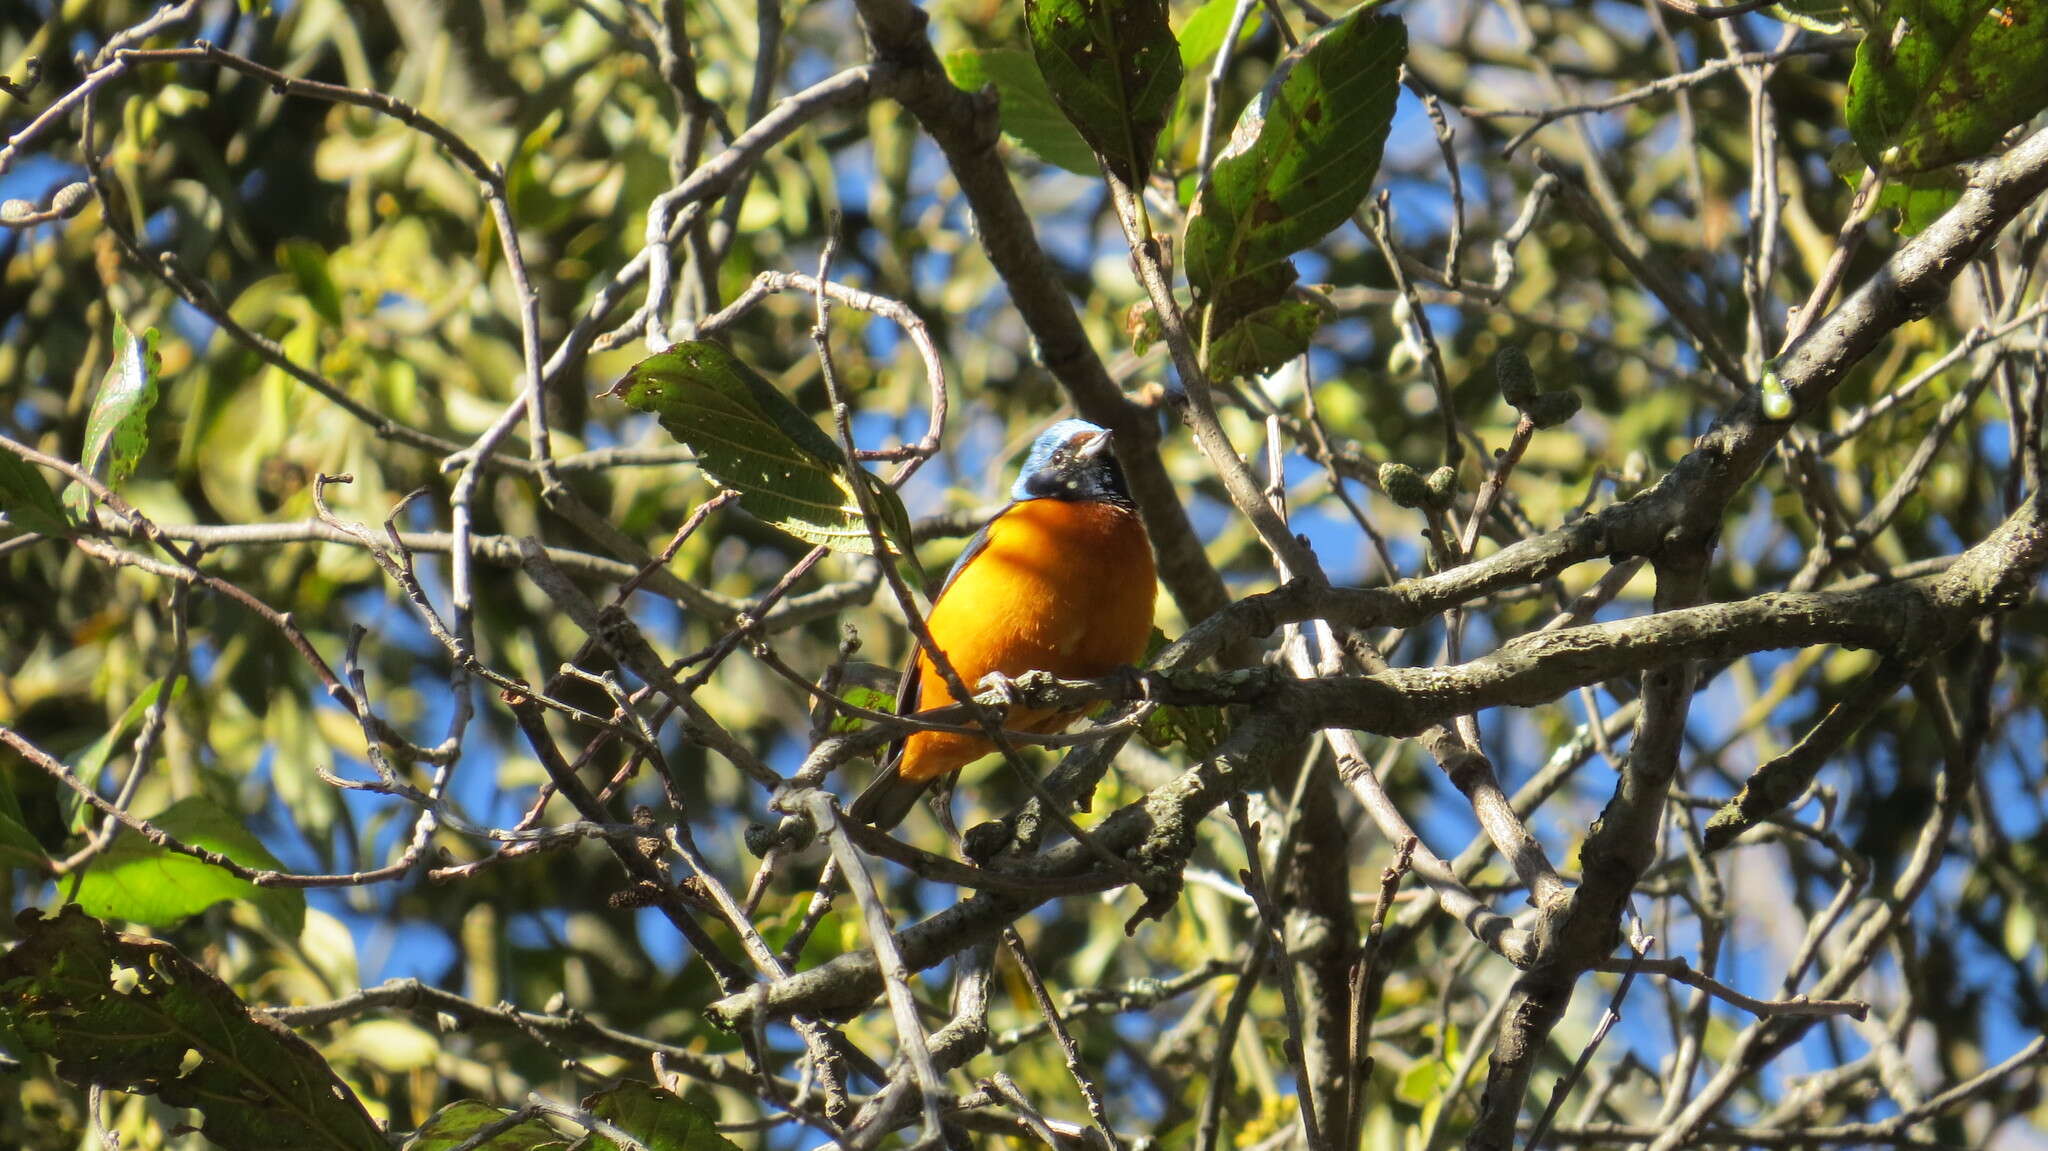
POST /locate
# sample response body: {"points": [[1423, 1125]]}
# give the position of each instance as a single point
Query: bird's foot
{"points": [[1009, 689], [1141, 683]]}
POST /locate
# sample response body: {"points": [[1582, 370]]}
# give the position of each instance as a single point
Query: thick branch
{"points": [[1156, 833], [1695, 495]]}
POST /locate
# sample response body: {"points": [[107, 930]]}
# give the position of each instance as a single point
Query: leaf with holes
{"points": [[1302, 156], [1937, 82], [749, 437], [1114, 68], [132, 1014], [1265, 340], [1253, 327], [117, 431], [1024, 107], [866, 697], [1199, 728]]}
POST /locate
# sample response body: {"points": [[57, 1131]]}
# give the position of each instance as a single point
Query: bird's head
{"points": [[1071, 460]]}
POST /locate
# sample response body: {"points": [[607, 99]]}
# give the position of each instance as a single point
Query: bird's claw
{"points": [[1144, 684], [1003, 686]]}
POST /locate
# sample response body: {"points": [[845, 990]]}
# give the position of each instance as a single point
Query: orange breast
{"points": [[1062, 587]]}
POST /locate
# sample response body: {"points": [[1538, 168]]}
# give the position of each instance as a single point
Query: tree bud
{"points": [[1403, 485], [1443, 486]]}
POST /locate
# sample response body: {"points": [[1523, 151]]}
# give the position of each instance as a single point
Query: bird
{"points": [[1061, 581]]}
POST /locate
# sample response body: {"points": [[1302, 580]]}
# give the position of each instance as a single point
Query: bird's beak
{"points": [[1093, 447]]}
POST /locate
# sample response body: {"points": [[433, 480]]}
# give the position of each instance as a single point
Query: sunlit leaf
{"points": [[307, 263], [93, 760], [293, 730], [1025, 108], [132, 1014], [533, 202], [1303, 154], [1420, 1083], [1266, 339], [1937, 82], [117, 430], [1921, 200], [1114, 68], [136, 880], [460, 1121], [749, 437], [656, 1118], [390, 1044], [866, 697], [2022, 934], [1201, 37]]}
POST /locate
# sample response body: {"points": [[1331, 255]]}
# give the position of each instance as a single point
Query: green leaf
{"points": [[533, 201], [132, 1014], [1921, 200], [1302, 156], [1421, 1082], [117, 431], [1254, 327], [750, 438], [2022, 935], [1199, 728], [1114, 68], [1202, 36], [656, 1118], [1265, 340], [1141, 324], [93, 760], [1024, 107], [1952, 79], [1937, 82], [460, 1120], [28, 501], [306, 261], [18, 847], [136, 880], [394, 1045], [866, 697]]}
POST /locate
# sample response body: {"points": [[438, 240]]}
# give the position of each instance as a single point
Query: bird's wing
{"points": [[974, 548], [889, 797], [908, 690]]}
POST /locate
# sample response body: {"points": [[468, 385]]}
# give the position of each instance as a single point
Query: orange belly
{"points": [[1061, 586]]}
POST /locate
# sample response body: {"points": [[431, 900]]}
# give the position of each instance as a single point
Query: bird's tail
{"points": [[888, 799]]}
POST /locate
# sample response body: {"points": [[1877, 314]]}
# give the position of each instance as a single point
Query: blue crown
{"points": [[1043, 447]]}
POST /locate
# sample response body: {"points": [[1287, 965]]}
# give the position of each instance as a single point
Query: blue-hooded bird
{"points": [[1060, 581]]}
